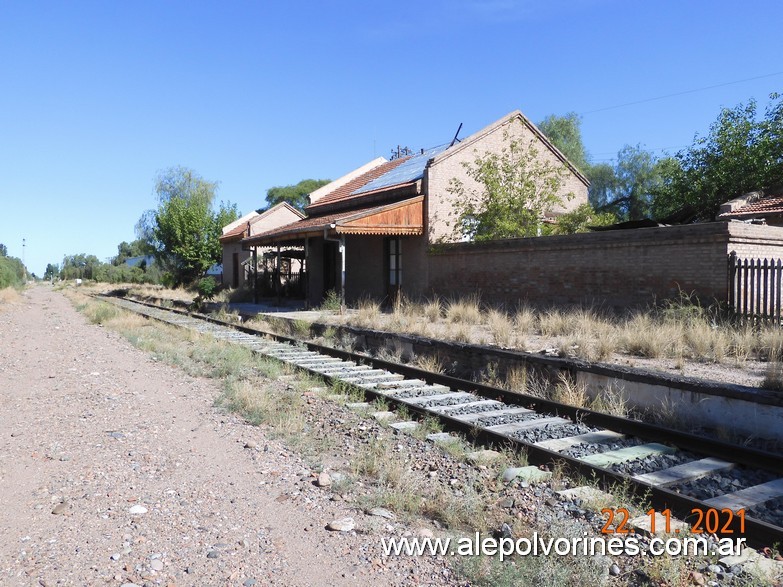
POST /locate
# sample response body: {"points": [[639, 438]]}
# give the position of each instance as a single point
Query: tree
{"points": [[51, 272], [296, 195], [184, 229], [80, 266], [137, 248], [3, 250], [565, 132], [12, 272], [582, 219], [516, 189], [741, 153], [628, 189]]}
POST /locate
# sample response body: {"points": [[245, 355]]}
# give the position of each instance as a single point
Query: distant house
{"points": [[762, 207], [369, 232], [236, 259]]}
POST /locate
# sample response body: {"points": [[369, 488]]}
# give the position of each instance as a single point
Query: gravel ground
{"points": [[116, 469]]}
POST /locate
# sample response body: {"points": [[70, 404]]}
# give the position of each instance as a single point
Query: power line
{"points": [[681, 93]]}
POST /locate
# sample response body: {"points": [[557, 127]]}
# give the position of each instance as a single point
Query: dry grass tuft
{"points": [[570, 392], [464, 310], [368, 314], [431, 363], [501, 327], [433, 309], [8, 296], [524, 320]]}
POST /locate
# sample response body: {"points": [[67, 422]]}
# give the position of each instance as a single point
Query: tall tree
{"points": [[565, 132], [628, 188], [296, 195], [136, 248], [51, 272], [742, 152], [185, 228], [80, 266], [516, 188]]}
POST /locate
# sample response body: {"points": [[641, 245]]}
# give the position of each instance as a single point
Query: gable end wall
{"points": [[440, 203]]}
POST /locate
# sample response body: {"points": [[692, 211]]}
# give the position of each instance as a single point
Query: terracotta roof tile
{"points": [[766, 205], [235, 233], [345, 192]]}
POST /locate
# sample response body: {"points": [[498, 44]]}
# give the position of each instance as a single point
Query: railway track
{"points": [[717, 487]]}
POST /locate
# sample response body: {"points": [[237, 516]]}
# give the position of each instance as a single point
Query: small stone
{"points": [[60, 509], [156, 565], [510, 474], [341, 525], [249, 582], [697, 578], [137, 510], [213, 554], [614, 570], [506, 503], [251, 444], [425, 533], [381, 512], [116, 556], [482, 457], [324, 480]]}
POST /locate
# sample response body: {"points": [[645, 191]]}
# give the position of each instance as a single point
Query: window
{"points": [[395, 261]]}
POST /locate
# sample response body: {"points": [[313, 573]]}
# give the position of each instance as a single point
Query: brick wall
{"points": [[616, 269]]}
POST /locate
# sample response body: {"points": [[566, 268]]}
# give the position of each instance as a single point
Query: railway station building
{"points": [[370, 232]]}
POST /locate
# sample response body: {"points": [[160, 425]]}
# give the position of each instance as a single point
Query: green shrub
{"points": [[207, 287], [332, 302], [12, 273]]}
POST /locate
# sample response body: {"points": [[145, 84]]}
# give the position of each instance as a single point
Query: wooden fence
{"points": [[755, 288]]}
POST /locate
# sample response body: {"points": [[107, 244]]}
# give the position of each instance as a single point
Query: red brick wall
{"points": [[615, 268]]}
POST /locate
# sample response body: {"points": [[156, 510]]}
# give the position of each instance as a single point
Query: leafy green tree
{"points": [[565, 132], [3, 250], [627, 190], [136, 248], [296, 195], [80, 266], [741, 153], [516, 189], [12, 272], [51, 272], [185, 228], [582, 219]]}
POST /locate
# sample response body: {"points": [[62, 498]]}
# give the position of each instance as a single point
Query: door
{"points": [[393, 265], [330, 267], [235, 270]]}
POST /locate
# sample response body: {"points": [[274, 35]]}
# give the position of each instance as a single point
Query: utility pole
{"points": [[24, 266]]}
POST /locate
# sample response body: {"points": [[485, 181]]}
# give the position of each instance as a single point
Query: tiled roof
{"points": [[316, 224], [235, 232], [306, 224], [348, 191], [766, 205]]}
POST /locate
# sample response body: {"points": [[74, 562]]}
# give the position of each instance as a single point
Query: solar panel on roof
{"points": [[411, 170]]}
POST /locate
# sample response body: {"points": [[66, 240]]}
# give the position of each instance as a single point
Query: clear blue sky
{"points": [[97, 97]]}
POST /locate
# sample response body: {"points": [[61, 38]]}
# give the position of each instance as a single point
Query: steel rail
{"points": [[757, 532]]}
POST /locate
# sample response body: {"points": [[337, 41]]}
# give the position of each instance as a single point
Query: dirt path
{"points": [[92, 430]]}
